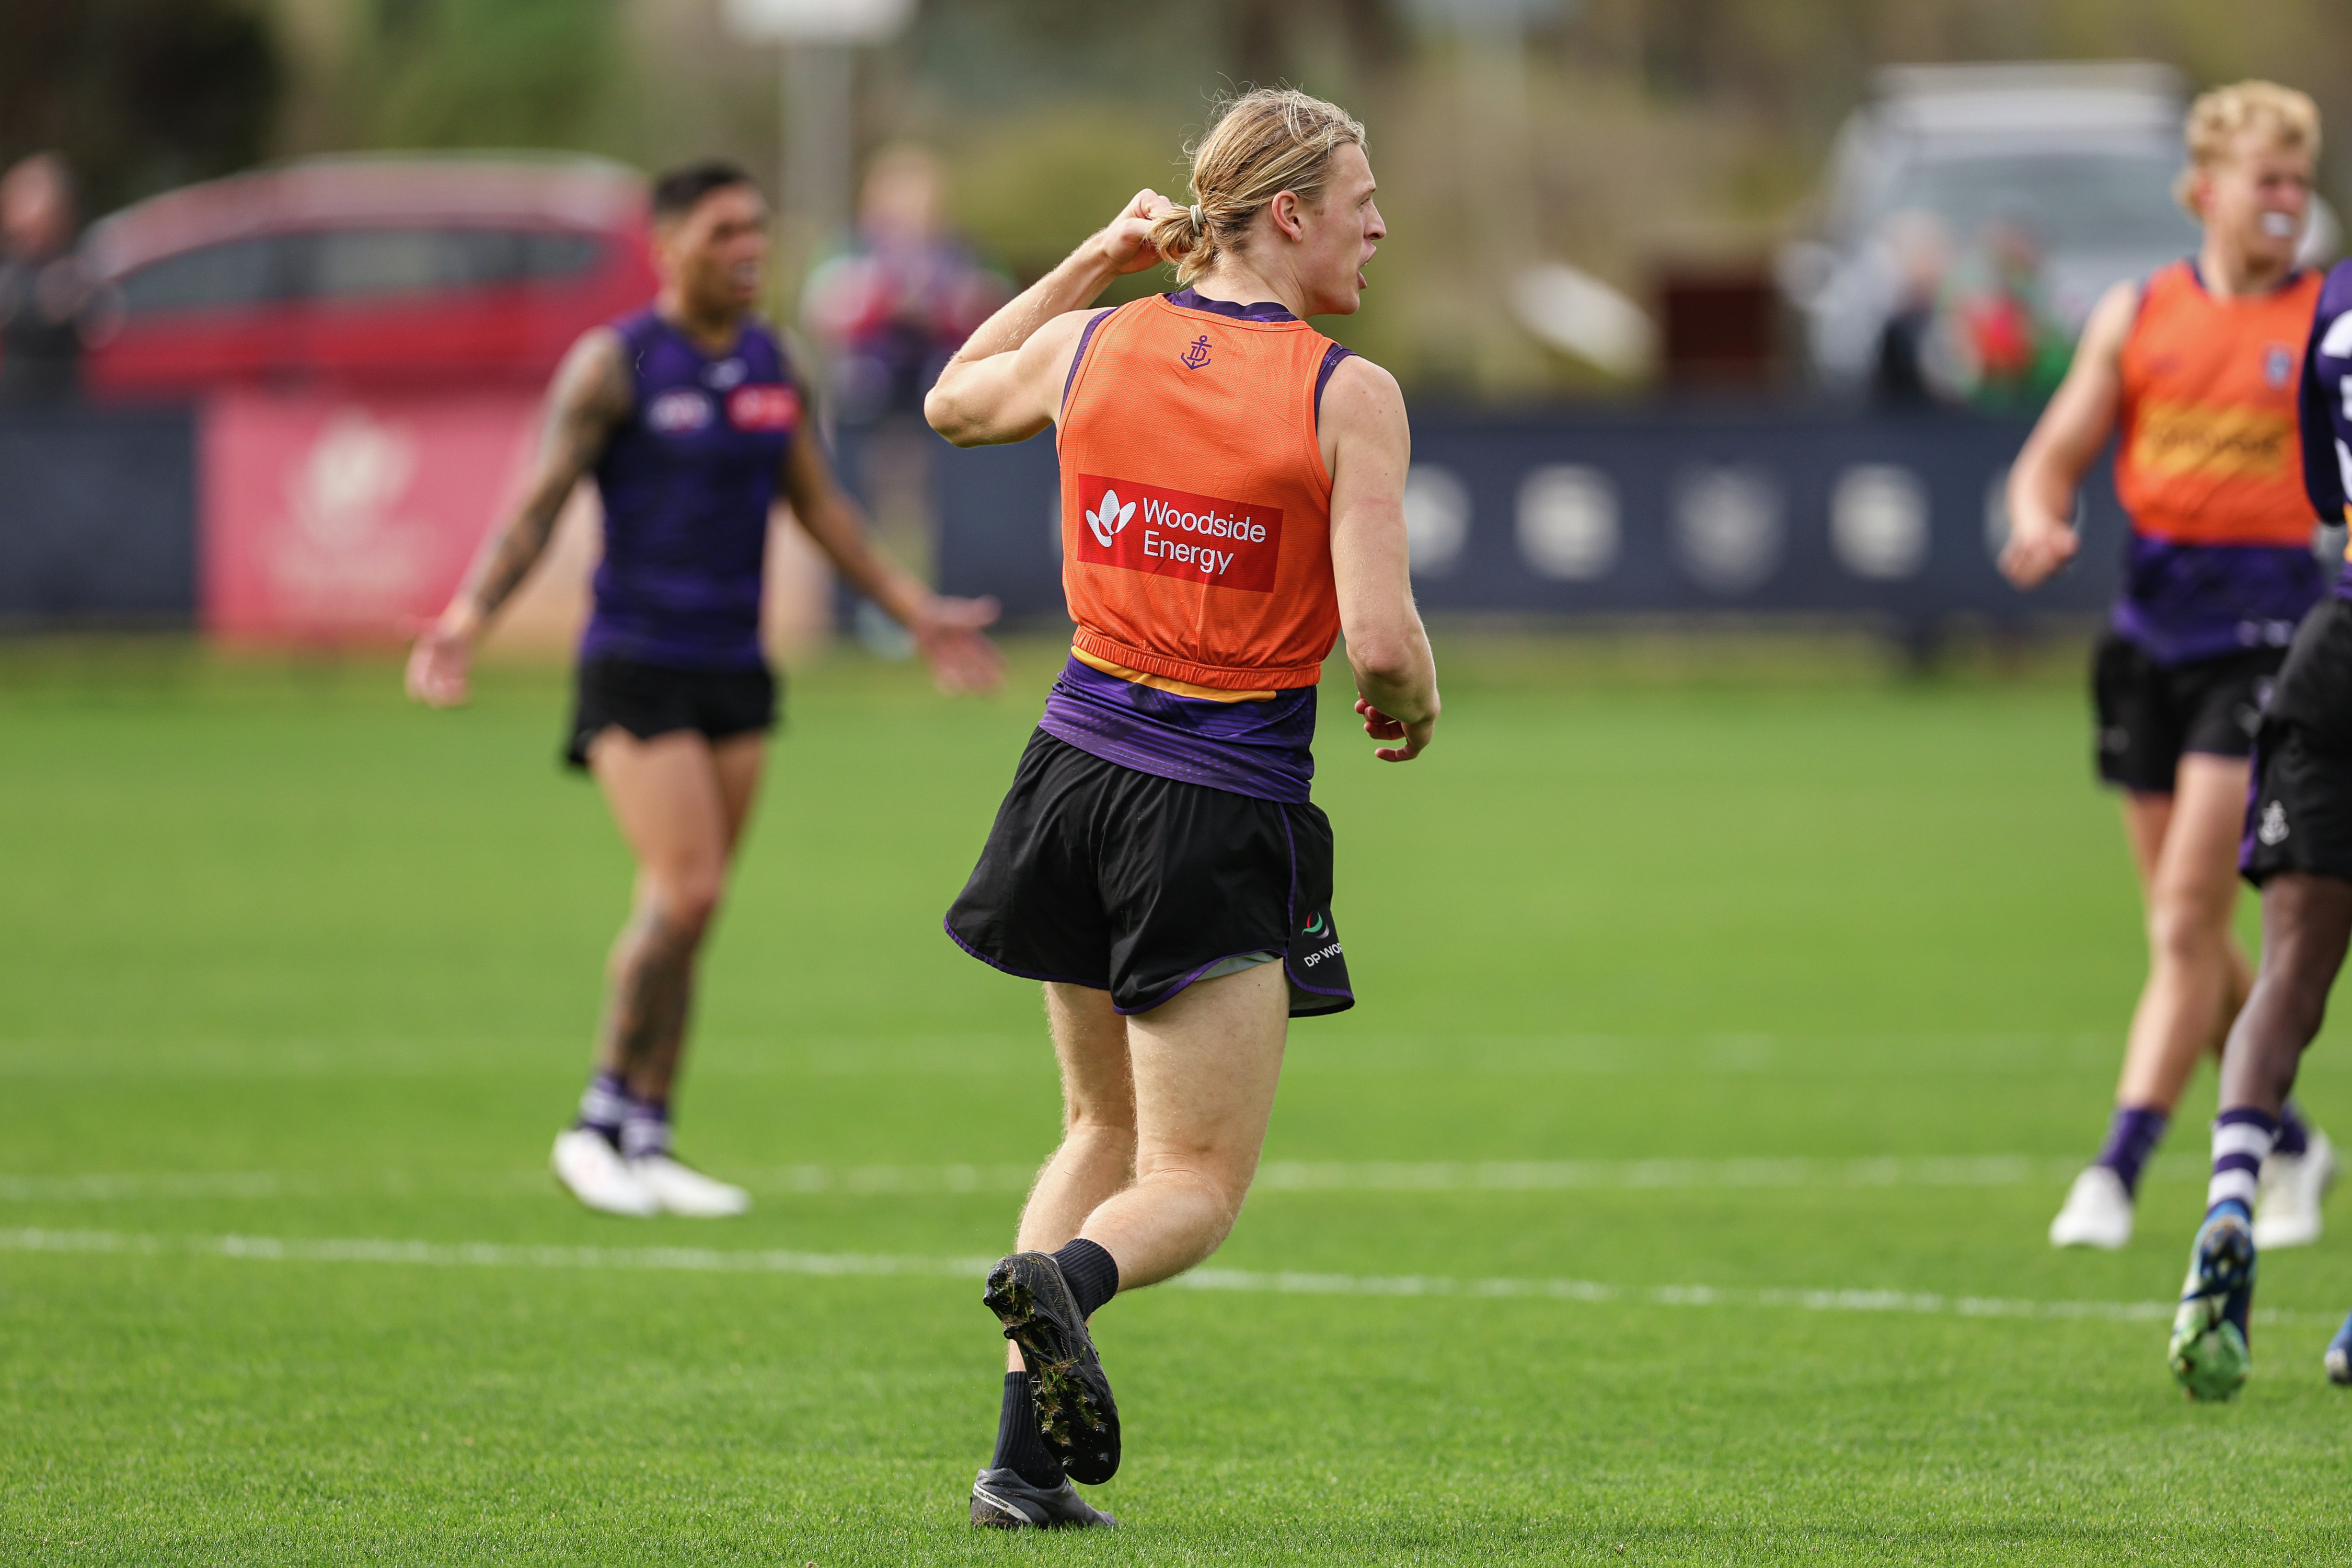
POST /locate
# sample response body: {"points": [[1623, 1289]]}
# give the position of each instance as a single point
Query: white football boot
{"points": [[594, 1173], [2286, 1201], [2098, 1212], [683, 1190]]}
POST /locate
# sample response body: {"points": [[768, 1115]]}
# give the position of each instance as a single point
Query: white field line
{"points": [[717, 1260], [1274, 1176]]}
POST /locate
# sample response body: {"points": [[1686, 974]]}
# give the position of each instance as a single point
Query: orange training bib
{"points": [[1196, 513], [2207, 447]]}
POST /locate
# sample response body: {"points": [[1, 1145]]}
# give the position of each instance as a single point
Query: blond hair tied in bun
{"points": [[1262, 143]]}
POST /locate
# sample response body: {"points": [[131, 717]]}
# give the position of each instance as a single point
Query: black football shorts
{"points": [[1101, 876], [2299, 809], [2150, 713], [650, 700]]}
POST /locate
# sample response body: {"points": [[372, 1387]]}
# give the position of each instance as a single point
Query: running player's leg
{"points": [[1024, 1481], [1207, 1063], [2184, 846], [2307, 921], [2195, 970], [680, 804], [1097, 1156], [1201, 1073]]}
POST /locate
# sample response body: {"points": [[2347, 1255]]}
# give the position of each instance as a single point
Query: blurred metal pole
{"points": [[817, 153], [820, 39]]}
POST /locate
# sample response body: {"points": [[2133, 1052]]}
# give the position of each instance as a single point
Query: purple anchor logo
{"points": [[1198, 354]]}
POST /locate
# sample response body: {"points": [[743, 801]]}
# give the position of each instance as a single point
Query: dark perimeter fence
{"points": [[1889, 522]]}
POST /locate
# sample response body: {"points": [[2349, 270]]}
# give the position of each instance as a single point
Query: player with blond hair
{"points": [[2193, 372], [1232, 498]]}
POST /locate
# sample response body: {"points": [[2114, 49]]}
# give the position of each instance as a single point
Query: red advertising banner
{"points": [[327, 518]]}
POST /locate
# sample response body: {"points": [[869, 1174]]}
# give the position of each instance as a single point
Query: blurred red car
{"points": [[379, 273]]}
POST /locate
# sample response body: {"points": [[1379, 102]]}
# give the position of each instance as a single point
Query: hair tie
{"points": [[1199, 223]]}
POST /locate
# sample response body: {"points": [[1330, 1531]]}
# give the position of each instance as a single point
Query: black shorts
{"points": [[649, 699], [2150, 713], [1098, 874], [2299, 809]]}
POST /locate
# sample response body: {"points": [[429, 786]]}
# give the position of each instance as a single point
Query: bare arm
{"points": [[946, 630], [2065, 443], [590, 396], [1368, 446], [1006, 383]]}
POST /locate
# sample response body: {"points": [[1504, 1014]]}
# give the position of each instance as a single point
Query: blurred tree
{"points": [[493, 73], [139, 95]]}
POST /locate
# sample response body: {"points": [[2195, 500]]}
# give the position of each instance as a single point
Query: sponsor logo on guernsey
{"points": [[678, 410], [2278, 364], [727, 373], [2218, 441], [1173, 533], [769, 407], [1196, 356]]}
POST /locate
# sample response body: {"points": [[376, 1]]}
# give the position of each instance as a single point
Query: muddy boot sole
{"points": [[1076, 1417]]}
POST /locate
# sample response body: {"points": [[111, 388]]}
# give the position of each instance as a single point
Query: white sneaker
{"points": [[2286, 1201], [595, 1174], [2098, 1212], [682, 1190]]}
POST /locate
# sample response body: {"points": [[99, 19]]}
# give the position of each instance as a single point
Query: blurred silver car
{"points": [[2081, 157]]}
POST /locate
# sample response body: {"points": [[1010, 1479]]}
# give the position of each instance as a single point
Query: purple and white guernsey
{"points": [[2325, 407], [687, 482], [1255, 744]]}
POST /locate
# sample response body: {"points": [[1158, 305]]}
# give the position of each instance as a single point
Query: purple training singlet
{"points": [[2325, 407], [687, 482]]}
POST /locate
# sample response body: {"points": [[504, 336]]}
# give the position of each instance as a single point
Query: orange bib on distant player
{"points": [[1196, 511], [2207, 450]]}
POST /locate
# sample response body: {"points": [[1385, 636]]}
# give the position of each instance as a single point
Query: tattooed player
{"points": [[692, 422]]}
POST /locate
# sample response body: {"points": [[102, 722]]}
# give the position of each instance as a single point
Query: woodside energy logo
{"points": [[1173, 533]]}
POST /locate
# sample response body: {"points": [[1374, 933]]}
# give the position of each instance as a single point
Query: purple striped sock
{"points": [[2242, 1136], [603, 1106], [645, 1132], [2132, 1137], [2294, 1133]]}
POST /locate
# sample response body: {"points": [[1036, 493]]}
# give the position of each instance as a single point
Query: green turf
{"points": [[281, 957]]}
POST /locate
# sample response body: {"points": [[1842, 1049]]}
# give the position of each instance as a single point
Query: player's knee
{"points": [[1219, 1178], [2186, 931], [688, 900]]}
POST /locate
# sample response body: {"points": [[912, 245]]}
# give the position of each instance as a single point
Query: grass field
{"points": [[1676, 1193]]}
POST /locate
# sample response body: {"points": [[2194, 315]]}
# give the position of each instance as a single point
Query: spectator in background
{"points": [[45, 292], [1920, 245], [2005, 348], [887, 312]]}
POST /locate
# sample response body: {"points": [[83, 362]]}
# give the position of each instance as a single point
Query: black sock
{"points": [[1092, 1273], [1018, 1446]]}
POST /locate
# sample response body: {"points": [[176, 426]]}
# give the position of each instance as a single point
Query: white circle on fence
{"points": [[1727, 527], [1568, 522], [1436, 519], [1878, 521]]}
